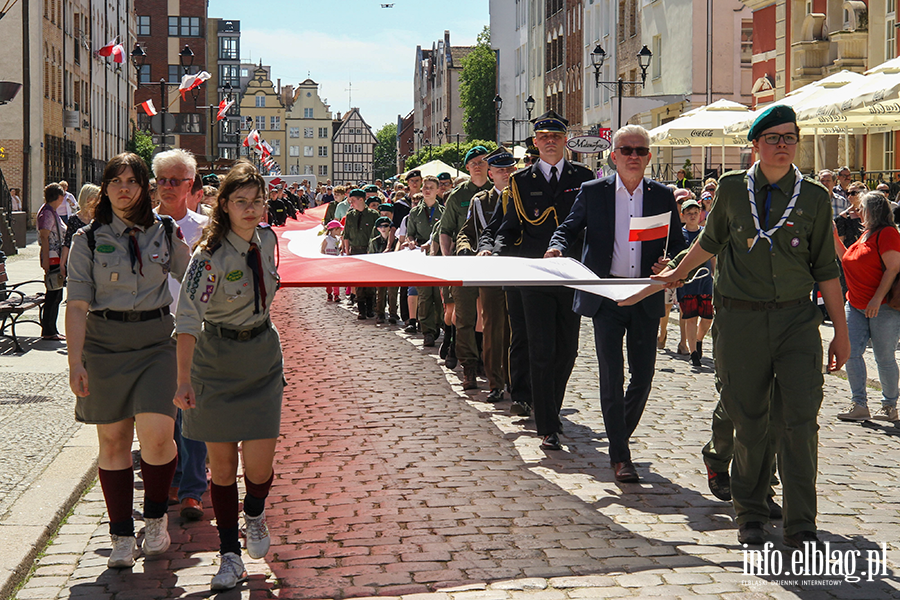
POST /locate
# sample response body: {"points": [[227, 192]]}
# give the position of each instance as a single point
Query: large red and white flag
{"points": [[301, 264], [644, 229], [224, 105], [148, 107], [189, 82], [107, 50]]}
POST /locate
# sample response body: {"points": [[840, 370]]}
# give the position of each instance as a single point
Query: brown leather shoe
{"points": [[173, 495], [625, 472], [469, 381], [191, 509]]}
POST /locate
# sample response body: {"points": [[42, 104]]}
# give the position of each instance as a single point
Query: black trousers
{"points": [[622, 408], [519, 367], [552, 348], [50, 312], [404, 305]]}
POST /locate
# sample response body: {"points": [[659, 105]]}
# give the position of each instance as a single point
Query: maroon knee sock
{"points": [[157, 479], [255, 500], [225, 504], [118, 491]]}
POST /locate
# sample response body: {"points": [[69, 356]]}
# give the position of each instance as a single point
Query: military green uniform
{"points": [[766, 334], [359, 227], [377, 245], [423, 225], [466, 298], [493, 299]]}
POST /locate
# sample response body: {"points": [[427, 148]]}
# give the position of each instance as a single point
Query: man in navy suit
{"points": [[603, 209]]}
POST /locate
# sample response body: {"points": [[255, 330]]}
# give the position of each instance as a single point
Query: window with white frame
{"points": [[357, 167], [261, 101], [890, 29], [357, 148], [323, 170], [275, 122], [348, 148], [307, 132], [323, 151], [260, 122], [294, 132], [307, 169], [307, 113], [276, 147], [889, 151], [307, 150], [656, 62], [323, 132], [294, 151]]}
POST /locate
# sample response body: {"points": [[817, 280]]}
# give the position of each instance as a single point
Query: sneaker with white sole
{"points": [[887, 413], [124, 551], [257, 533], [231, 572], [856, 412], [156, 536]]}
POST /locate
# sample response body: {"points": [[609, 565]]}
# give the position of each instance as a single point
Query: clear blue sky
{"points": [[338, 41]]}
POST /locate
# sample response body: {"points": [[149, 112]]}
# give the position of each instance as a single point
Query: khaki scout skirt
{"points": [[131, 370], [238, 387]]}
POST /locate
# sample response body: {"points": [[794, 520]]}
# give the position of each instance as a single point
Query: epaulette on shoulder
{"points": [[481, 195], [214, 248], [810, 180], [737, 173]]}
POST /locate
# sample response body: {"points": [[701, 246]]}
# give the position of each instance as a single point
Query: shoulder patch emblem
{"points": [[234, 275], [106, 249]]}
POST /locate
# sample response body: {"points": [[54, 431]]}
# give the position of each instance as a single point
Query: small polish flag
{"points": [[189, 82], [644, 229], [149, 108], [108, 49], [224, 105], [267, 149], [252, 139]]}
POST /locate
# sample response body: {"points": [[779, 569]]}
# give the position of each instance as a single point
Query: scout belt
{"points": [[241, 335], [732, 304], [132, 316]]}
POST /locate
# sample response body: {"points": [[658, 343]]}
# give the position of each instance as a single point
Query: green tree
{"points": [[477, 85], [386, 151], [446, 153], [141, 143]]}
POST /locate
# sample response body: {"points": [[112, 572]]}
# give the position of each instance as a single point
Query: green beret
{"points": [[211, 179], [371, 189], [373, 200], [386, 206], [445, 176], [382, 221], [357, 193], [771, 117], [474, 152]]}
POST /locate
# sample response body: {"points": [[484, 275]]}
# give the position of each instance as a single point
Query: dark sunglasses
{"points": [[853, 193], [628, 150]]}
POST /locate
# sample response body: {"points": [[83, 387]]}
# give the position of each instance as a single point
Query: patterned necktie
{"points": [[553, 178], [254, 261], [134, 250]]}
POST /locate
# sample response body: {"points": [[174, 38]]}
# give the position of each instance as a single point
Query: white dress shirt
{"points": [[545, 167], [626, 258]]}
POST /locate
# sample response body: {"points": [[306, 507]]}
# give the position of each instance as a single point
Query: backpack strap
{"points": [[89, 232]]}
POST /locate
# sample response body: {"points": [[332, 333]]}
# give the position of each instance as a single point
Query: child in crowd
{"points": [[381, 243], [331, 246], [695, 298]]}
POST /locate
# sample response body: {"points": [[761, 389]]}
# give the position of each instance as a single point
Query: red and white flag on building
{"points": [[644, 229], [252, 139], [189, 82], [267, 149], [148, 108], [114, 49], [224, 105]]}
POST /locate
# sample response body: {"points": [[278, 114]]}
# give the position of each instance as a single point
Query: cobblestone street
{"points": [[392, 481]]}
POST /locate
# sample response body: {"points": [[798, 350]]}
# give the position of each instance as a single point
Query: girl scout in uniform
{"points": [[230, 370], [121, 351]]}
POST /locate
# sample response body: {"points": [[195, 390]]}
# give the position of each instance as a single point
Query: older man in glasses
{"points": [[603, 211], [771, 230]]}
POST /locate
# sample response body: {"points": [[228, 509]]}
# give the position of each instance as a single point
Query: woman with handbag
{"points": [[51, 230], [871, 265]]}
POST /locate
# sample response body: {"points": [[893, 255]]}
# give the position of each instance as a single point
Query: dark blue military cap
{"points": [[501, 157], [551, 121]]}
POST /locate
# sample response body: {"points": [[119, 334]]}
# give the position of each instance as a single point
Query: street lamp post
{"points": [[186, 58], [598, 57], [498, 104]]}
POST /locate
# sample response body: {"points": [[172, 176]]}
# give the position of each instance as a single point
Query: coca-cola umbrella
{"points": [[703, 126]]}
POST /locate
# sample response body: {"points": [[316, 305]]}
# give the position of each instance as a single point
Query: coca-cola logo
{"points": [[702, 133], [883, 108], [676, 141], [588, 144], [832, 118]]}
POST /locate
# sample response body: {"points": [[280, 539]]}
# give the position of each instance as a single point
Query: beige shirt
{"points": [[104, 278], [218, 285]]}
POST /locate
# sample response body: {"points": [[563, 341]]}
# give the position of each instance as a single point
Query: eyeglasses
{"points": [[844, 175], [162, 181], [383, 225], [774, 138], [628, 150], [245, 204], [853, 193]]}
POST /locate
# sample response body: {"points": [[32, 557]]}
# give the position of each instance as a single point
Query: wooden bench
{"points": [[14, 303]]}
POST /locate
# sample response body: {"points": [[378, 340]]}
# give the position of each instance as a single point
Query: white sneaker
{"points": [[231, 572], [257, 534], [887, 413], [124, 551], [156, 536], [855, 412]]}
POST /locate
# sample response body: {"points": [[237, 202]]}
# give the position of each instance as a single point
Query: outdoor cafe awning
{"points": [[703, 126]]}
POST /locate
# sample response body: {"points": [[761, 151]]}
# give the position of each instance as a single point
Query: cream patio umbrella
{"points": [[702, 126]]}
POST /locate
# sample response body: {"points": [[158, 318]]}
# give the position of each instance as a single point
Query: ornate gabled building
{"points": [[354, 149], [309, 127], [262, 109]]}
